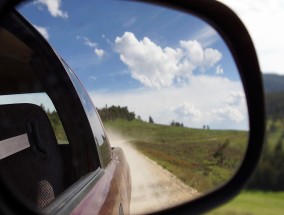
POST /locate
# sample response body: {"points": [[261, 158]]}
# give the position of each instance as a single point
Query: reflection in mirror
{"points": [[166, 87]]}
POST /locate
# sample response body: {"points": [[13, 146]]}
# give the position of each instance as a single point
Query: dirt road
{"points": [[153, 187]]}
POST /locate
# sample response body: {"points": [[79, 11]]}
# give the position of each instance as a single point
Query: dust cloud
{"points": [[153, 187]]}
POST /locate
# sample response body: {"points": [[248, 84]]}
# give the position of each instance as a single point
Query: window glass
{"points": [[42, 100], [95, 122]]}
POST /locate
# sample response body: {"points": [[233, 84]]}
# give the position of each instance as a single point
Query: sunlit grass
{"points": [[253, 203], [200, 158]]}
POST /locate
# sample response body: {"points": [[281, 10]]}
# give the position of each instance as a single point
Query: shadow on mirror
{"points": [[166, 88]]}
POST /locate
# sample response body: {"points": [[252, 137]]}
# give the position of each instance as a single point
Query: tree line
{"points": [[56, 124], [269, 175], [116, 112]]}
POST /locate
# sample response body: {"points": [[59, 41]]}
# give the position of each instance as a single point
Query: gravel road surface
{"points": [[153, 187]]}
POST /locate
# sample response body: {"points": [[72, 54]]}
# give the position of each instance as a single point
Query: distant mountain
{"points": [[274, 102], [274, 94], [273, 83]]}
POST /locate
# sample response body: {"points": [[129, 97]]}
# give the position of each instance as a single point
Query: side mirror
{"points": [[244, 75]]}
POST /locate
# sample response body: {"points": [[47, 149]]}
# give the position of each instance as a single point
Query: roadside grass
{"points": [[203, 159], [253, 203], [274, 132]]}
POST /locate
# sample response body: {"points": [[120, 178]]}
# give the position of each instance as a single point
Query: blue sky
{"points": [[125, 53]]}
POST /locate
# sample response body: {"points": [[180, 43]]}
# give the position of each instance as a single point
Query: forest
{"points": [[116, 112], [269, 174]]}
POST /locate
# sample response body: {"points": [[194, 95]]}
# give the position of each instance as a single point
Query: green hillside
{"points": [[273, 83], [253, 203], [274, 104], [201, 158]]}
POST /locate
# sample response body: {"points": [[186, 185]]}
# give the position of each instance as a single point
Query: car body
{"points": [[82, 174]]}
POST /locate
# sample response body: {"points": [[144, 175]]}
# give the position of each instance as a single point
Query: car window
{"points": [[95, 122], [42, 100]]}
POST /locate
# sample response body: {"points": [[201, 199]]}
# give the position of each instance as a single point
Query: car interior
{"points": [[33, 163], [36, 173]]}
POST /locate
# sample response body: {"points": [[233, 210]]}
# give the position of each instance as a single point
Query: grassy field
{"points": [[203, 159], [253, 203], [274, 131]]}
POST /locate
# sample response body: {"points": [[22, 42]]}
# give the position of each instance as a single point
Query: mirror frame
{"points": [[237, 38]]}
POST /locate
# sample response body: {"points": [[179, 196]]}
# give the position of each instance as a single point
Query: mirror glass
{"points": [[166, 87]]}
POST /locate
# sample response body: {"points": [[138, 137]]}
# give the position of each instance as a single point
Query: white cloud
{"points": [[99, 52], [159, 67], [89, 43], [53, 7], [43, 31], [210, 100], [236, 98], [228, 113], [219, 70], [221, 114], [229, 106], [199, 56], [188, 110], [264, 20]]}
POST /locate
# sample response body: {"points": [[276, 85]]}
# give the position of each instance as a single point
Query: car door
{"points": [[84, 173]]}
